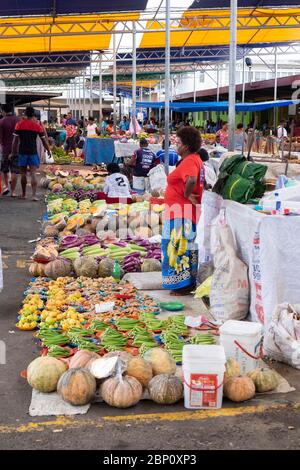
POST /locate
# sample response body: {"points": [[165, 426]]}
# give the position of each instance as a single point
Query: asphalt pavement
{"points": [[266, 422]]}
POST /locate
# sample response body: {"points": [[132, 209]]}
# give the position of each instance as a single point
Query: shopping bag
{"points": [[48, 158], [282, 338], [157, 177], [229, 295]]}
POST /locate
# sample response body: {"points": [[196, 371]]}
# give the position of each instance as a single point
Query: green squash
{"points": [[265, 380], [165, 389], [44, 372]]}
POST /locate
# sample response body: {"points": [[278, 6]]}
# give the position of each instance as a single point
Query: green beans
{"points": [[52, 337], [203, 338], [113, 339], [98, 325], [58, 351], [126, 324]]}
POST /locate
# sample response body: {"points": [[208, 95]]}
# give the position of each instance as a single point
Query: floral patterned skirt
{"points": [[179, 254]]}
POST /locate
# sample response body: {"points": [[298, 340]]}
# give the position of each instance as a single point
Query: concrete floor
{"points": [[270, 422]]}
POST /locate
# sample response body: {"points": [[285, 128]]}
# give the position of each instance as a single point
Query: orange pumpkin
{"points": [[77, 386], [82, 358], [37, 269], [239, 388]]}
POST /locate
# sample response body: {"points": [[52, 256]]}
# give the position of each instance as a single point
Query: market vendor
{"points": [[142, 161], [116, 184], [173, 155], [223, 134], [182, 210], [240, 138], [92, 128]]}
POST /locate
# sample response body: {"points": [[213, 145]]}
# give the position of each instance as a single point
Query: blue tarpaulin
{"points": [[98, 151], [189, 107]]}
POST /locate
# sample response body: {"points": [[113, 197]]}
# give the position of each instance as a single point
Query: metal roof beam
{"points": [[97, 25]]}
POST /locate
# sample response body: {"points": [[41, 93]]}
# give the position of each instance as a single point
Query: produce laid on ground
{"points": [[63, 158]]}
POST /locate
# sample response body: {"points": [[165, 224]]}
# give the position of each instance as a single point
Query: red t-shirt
{"points": [[7, 127], [177, 206], [28, 130]]}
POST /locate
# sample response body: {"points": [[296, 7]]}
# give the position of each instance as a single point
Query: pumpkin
{"points": [[165, 389], [37, 269], [264, 379], [106, 267], [239, 388], [151, 265], [161, 361], [82, 358], [77, 386], [60, 267], [121, 392], [44, 372], [86, 266], [140, 369], [50, 231], [233, 369]]}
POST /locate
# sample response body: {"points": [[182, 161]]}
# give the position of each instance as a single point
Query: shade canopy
{"points": [[188, 107], [53, 26]]}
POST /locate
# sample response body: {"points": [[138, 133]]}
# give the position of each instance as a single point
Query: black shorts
{"points": [[10, 165], [71, 143]]}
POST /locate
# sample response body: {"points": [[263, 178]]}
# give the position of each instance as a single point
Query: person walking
{"points": [[25, 146], [8, 166], [182, 211]]}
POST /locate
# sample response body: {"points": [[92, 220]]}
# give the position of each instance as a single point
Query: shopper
{"points": [[8, 165], [223, 134], [240, 138], [124, 125], [116, 184], [25, 145], [92, 128], [182, 201], [281, 131], [71, 128], [173, 155], [142, 161]]}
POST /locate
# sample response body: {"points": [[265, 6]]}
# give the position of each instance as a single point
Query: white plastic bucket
{"points": [[203, 371], [242, 340], [138, 183]]}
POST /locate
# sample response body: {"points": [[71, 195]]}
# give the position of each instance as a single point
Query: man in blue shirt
{"points": [[173, 156], [124, 125]]}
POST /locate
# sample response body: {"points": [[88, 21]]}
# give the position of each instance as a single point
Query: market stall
{"points": [[98, 150], [127, 149]]}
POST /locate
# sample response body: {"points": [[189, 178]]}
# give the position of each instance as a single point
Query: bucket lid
{"points": [[206, 353], [240, 328]]}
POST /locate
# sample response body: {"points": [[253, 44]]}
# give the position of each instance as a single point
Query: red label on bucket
{"points": [[208, 390]]}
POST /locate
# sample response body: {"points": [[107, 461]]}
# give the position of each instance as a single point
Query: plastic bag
{"points": [[157, 177], [204, 289], [282, 338], [135, 125], [229, 297], [48, 158]]}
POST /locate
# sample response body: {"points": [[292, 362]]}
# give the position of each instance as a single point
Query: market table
{"points": [[267, 244], [127, 149], [98, 150]]}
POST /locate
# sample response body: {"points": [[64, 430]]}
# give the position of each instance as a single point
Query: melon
{"points": [[44, 373], [86, 266], [106, 267]]}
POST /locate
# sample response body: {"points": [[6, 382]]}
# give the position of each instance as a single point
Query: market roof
{"points": [[18, 98], [187, 107], [63, 26], [260, 90]]}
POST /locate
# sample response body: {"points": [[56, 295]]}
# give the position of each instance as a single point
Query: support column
{"points": [[91, 88], [100, 92], [75, 99], [159, 99], [275, 89], [232, 66], [194, 114], [83, 88], [115, 79], [133, 113], [79, 98], [167, 87]]}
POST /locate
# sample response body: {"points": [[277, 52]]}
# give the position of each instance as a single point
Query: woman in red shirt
{"points": [[182, 199]]}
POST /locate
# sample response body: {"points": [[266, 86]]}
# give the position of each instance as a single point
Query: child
{"points": [[116, 184]]}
